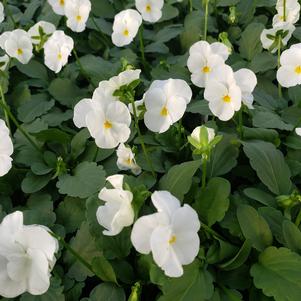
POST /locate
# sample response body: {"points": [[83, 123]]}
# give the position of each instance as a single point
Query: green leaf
{"points": [[195, 285], [254, 227], [263, 62], [214, 201], [107, 292], [103, 269], [33, 183], [178, 180], [261, 196], [270, 166], [292, 236], [87, 179], [277, 273]]}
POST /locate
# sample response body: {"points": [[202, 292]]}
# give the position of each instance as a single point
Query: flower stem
{"points": [[5, 104], [8, 112], [204, 173], [212, 232], [206, 19], [240, 124], [82, 70], [142, 46], [284, 10], [148, 160], [278, 60], [190, 6], [73, 252]]}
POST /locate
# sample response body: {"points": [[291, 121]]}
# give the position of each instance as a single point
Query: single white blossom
{"points": [[107, 88], [34, 31], [196, 134], [247, 81], [107, 121], [4, 60], [2, 16], [204, 59], [117, 212], [165, 102], [298, 131], [151, 10], [6, 149], [126, 159], [17, 44], [77, 13], [289, 5], [171, 234], [26, 257], [289, 74], [57, 50], [58, 6], [223, 93], [269, 36], [125, 27]]}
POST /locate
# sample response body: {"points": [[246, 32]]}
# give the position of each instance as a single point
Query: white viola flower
{"points": [[247, 81], [171, 234], [196, 134], [17, 44], [289, 74], [77, 13], [58, 6], [292, 17], [292, 12], [107, 121], [204, 59], [151, 10], [117, 212], [223, 93], [2, 16], [107, 88], [126, 159], [269, 36], [4, 60], [165, 103], [6, 149], [26, 257], [289, 5], [125, 27], [298, 131], [34, 31], [57, 50]]}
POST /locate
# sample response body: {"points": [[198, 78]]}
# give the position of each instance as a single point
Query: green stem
{"points": [[190, 6], [240, 123], [298, 219], [142, 46], [204, 173], [7, 111], [212, 232], [278, 60], [82, 70], [148, 160], [206, 19], [284, 10], [73, 252], [5, 105]]}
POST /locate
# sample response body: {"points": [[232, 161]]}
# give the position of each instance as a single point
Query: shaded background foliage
{"points": [[250, 244]]}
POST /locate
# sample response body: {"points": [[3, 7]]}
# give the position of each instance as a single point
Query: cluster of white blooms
{"points": [[126, 159], [18, 44], [107, 119], [288, 13], [117, 212], [26, 257], [225, 90], [76, 11], [127, 22], [6, 149], [171, 234]]}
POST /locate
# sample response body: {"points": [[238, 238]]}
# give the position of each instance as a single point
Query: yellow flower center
{"points": [[298, 69], [59, 56], [128, 161], [227, 98], [62, 2], [107, 125], [78, 18], [126, 33], [148, 8], [19, 51], [164, 112], [206, 69], [172, 240]]}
